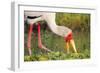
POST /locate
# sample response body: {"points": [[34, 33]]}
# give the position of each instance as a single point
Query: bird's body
{"points": [[50, 19]]}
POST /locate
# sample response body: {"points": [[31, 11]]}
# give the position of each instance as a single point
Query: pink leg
{"points": [[29, 39], [39, 39]]}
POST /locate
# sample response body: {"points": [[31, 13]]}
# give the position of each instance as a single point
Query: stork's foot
{"points": [[44, 48], [30, 51]]}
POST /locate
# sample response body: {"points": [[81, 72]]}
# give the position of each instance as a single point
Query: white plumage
{"points": [[50, 19]]}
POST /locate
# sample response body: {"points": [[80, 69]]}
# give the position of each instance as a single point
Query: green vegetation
{"points": [[78, 22], [55, 56]]}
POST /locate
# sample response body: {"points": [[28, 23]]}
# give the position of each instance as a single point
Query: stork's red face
{"points": [[69, 37]]}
